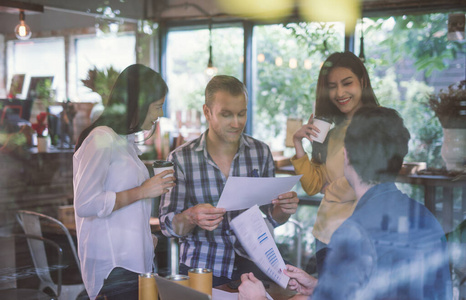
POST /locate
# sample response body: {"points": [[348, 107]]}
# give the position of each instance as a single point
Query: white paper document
{"points": [[255, 237], [244, 192]]}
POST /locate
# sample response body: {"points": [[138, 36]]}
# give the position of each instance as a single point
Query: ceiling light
{"points": [[210, 70], [361, 45], [22, 30]]}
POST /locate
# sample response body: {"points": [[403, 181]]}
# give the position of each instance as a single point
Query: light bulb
{"points": [[293, 63], [279, 61], [22, 30], [211, 70]]}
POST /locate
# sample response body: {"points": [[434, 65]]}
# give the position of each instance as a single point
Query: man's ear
{"points": [[206, 111]]}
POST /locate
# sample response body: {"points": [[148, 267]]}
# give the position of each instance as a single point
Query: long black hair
{"points": [[135, 89], [325, 107]]}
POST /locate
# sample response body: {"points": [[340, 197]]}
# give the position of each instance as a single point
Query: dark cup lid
{"points": [[326, 119], [162, 164]]}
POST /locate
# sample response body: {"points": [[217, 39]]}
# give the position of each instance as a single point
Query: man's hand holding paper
{"points": [[203, 215], [287, 202], [256, 239], [244, 192]]}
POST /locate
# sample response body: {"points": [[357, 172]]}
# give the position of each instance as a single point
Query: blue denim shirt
{"points": [[392, 247]]}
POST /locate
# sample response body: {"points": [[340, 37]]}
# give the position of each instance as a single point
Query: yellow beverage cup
{"points": [[200, 279], [148, 287]]}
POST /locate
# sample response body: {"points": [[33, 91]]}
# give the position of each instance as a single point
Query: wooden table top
{"points": [[273, 289]]}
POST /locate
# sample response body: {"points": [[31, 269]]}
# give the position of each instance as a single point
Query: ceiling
{"points": [[158, 10], [71, 14]]}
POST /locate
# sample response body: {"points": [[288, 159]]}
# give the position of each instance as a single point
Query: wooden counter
{"points": [[439, 192], [35, 181]]}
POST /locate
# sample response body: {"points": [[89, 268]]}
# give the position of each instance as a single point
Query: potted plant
{"points": [[450, 108], [44, 92], [100, 81]]}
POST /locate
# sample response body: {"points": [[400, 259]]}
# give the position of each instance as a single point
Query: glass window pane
{"points": [[110, 51], [187, 58], [410, 57], [39, 57], [287, 62]]}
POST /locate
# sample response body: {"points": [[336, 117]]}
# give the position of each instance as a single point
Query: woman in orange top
{"points": [[343, 86]]}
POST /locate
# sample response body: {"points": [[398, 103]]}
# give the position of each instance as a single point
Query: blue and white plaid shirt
{"points": [[199, 180]]}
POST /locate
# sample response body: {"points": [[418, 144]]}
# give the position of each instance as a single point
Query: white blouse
{"points": [[107, 163]]}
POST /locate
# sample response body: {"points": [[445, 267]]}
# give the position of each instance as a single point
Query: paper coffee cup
{"points": [[324, 126], [147, 287], [200, 279], [161, 165], [180, 279]]}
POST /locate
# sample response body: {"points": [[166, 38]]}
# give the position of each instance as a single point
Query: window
{"points": [[409, 57], [38, 58], [287, 63], [102, 52], [187, 57]]}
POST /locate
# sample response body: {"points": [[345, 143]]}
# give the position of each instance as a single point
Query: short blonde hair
{"points": [[225, 83]]}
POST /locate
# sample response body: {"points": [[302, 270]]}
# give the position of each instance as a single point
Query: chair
{"points": [[12, 272], [34, 223], [292, 241]]}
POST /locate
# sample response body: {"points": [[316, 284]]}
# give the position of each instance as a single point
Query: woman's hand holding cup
{"points": [[307, 131], [159, 184]]}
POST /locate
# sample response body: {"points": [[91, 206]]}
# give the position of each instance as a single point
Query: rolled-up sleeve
{"points": [[173, 202], [314, 174], [91, 164]]}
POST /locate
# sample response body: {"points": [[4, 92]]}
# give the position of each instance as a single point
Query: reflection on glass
{"points": [[187, 58], [288, 62]]}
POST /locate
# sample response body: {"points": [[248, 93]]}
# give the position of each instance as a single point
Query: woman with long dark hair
{"points": [[112, 188], [343, 86]]}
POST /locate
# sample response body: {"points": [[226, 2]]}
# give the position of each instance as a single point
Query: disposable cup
{"points": [[147, 287], [324, 125], [200, 279], [161, 165]]}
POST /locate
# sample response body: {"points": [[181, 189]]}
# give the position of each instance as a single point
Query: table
{"points": [[274, 290], [447, 183], [430, 184]]}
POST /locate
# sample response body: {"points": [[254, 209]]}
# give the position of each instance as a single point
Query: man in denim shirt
{"points": [[392, 247]]}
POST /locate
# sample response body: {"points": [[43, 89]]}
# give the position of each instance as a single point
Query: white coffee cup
{"points": [[324, 125], [161, 165]]}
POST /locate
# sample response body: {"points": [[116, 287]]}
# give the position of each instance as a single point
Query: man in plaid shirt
{"points": [[202, 167]]}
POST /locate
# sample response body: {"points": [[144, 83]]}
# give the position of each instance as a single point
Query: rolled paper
{"points": [[147, 287], [200, 279]]}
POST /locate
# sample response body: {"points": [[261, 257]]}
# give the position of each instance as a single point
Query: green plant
{"points": [[101, 81], [447, 105], [44, 91]]}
